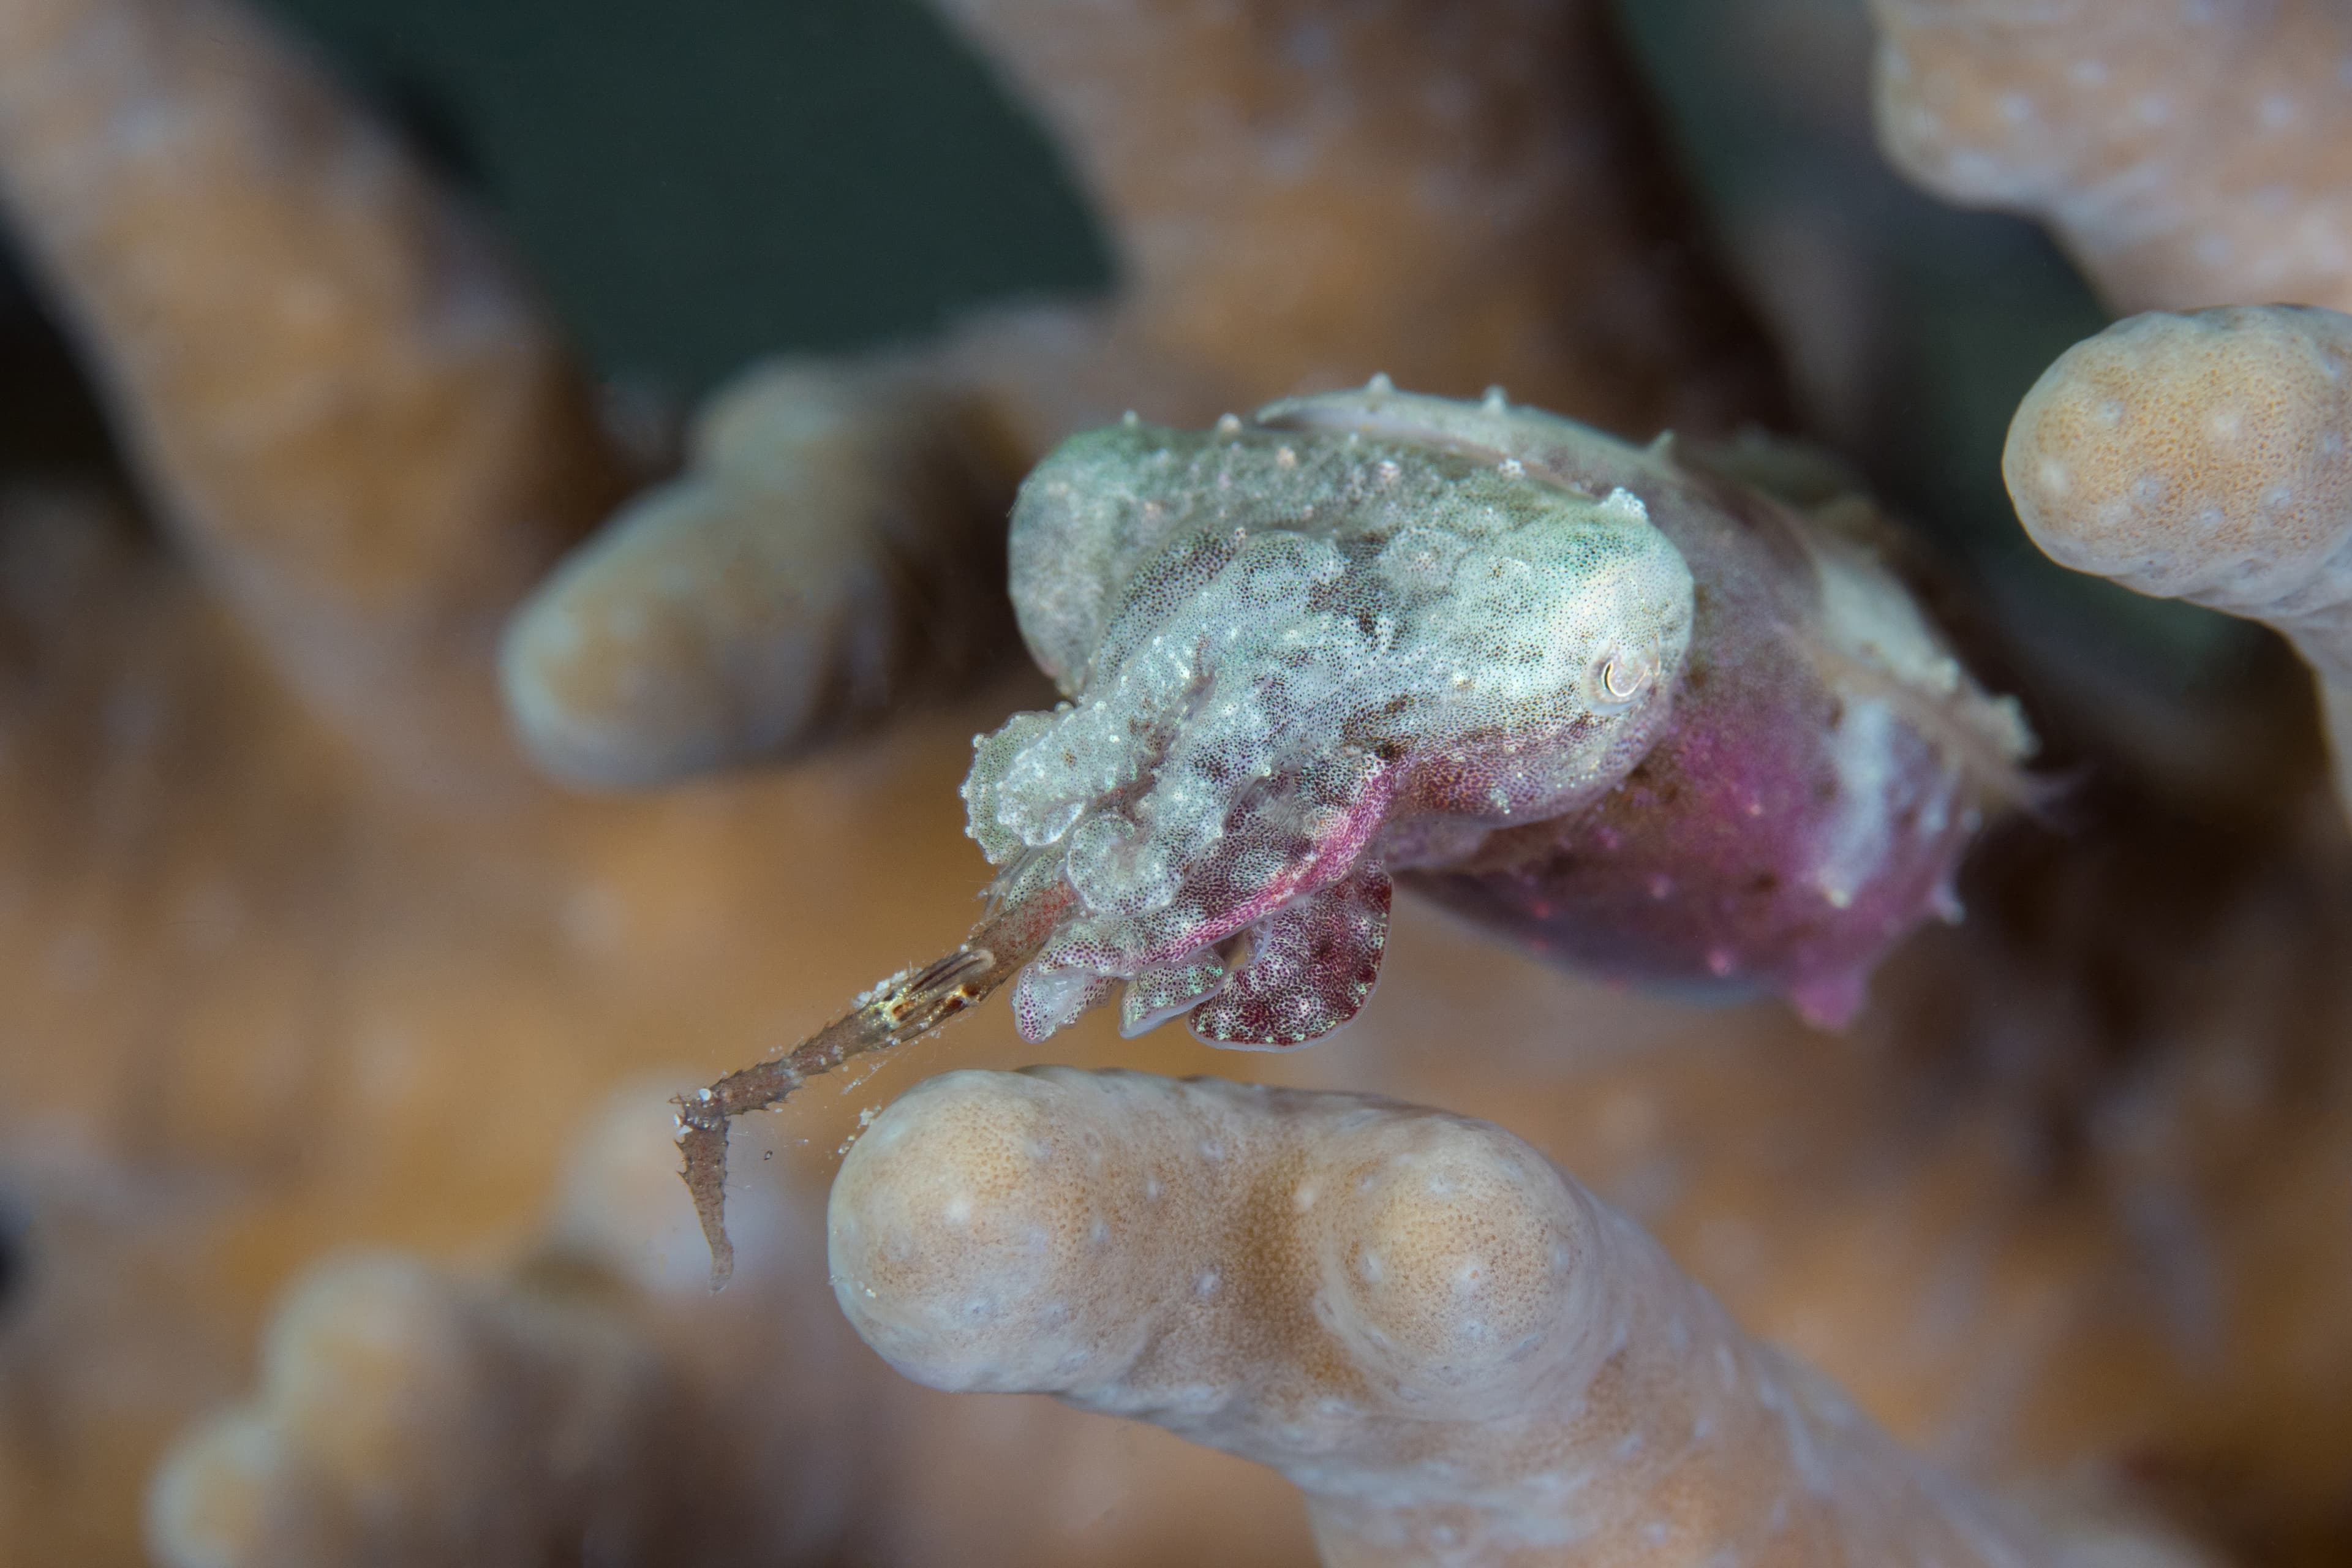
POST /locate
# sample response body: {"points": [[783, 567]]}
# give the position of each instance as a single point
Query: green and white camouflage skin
{"points": [[1632, 712]]}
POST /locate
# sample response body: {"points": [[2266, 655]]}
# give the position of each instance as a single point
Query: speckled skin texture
{"points": [[1764, 776], [2205, 457], [1281, 650], [1458, 1353]]}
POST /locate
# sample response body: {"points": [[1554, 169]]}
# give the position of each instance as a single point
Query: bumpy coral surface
{"points": [[2188, 153], [834, 549], [598, 1404], [1302, 192], [1462, 1356], [1614, 703], [2205, 457]]}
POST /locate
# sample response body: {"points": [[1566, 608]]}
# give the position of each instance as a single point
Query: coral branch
{"points": [[2188, 154], [335, 387], [1459, 1355], [2204, 458], [1302, 193], [836, 546], [596, 1405], [491, 1427]]}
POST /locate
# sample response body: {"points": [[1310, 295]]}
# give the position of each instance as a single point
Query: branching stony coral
{"points": [[834, 549], [373, 460], [2205, 457], [577, 1405], [1301, 193], [2002, 1304], [2188, 154], [1461, 1356], [405, 1419], [2061, 1208], [597, 1401], [2039, 1020]]}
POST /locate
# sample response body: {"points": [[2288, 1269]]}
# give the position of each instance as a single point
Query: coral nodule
{"points": [[2204, 458], [1607, 700], [832, 548], [1457, 1352]]}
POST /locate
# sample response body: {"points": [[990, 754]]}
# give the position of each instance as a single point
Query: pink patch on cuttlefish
{"points": [[1830, 1001]]}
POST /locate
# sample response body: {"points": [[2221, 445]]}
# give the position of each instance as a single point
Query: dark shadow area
{"points": [[16, 1258], [698, 184], [50, 424]]}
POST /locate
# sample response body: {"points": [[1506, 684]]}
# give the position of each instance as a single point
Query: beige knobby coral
{"points": [[2188, 154], [1458, 1353], [837, 545], [598, 1404], [336, 387], [1465, 194], [594, 1404], [406, 1416], [2205, 457]]}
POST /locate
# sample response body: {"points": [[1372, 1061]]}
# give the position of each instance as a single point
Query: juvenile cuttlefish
{"points": [[1612, 701]]}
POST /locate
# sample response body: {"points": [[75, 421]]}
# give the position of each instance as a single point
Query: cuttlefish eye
{"points": [[1621, 675]]}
